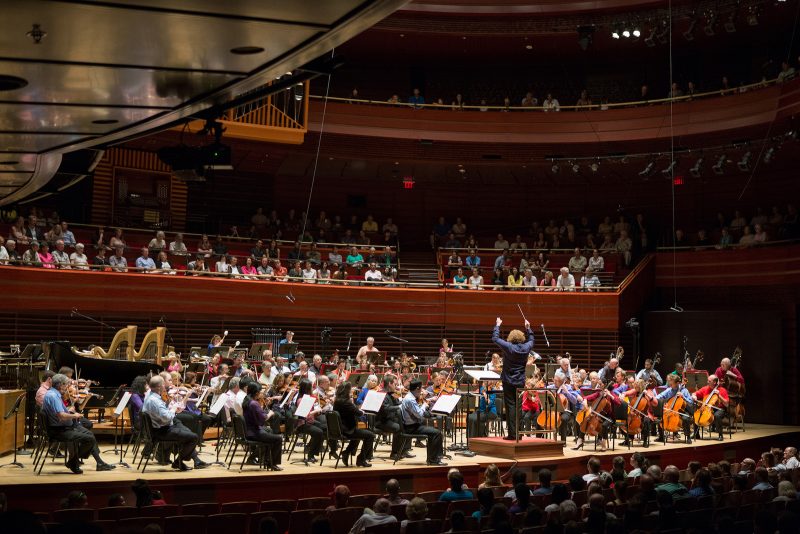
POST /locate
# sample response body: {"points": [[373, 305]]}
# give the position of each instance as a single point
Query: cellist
{"points": [[574, 404], [635, 395], [719, 411], [676, 387], [606, 416]]}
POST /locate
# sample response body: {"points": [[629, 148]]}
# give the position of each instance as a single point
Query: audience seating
{"points": [[279, 505], [342, 519], [76, 514], [181, 524], [313, 503], [116, 513], [300, 522], [201, 508], [163, 510], [227, 523], [241, 507], [282, 518]]}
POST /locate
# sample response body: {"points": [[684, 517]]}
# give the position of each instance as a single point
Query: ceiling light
{"points": [[555, 168], [576, 168], [769, 154], [529, 47], [697, 170], [626, 33], [744, 163], [10, 83], [246, 50], [669, 169], [594, 166], [719, 167], [37, 34], [615, 34], [650, 169], [636, 33], [650, 40]]}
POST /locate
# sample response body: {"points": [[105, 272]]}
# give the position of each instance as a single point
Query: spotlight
{"points": [[769, 154], [636, 33], [650, 40], [615, 34], [709, 28], [719, 167], [594, 166], [663, 36], [744, 163], [697, 170], [626, 33], [576, 168], [555, 168], [689, 33], [669, 169], [299, 92], [649, 170]]}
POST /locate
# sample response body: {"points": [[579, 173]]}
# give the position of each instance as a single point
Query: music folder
{"points": [[305, 406], [373, 401], [123, 402], [482, 375]]}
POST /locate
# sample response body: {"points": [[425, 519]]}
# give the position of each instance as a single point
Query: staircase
{"points": [[418, 267]]}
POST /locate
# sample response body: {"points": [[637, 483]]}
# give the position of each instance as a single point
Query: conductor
{"points": [[515, 352]]}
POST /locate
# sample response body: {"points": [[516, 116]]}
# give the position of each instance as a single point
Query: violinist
{"points": [[303, 371], [372, 383], [255, 420], [70, 397], [316, 365], [676, 387], [649, 373], [139, 389], [44, 387], [443, 362], [233, 397], [312, 424], [725, 370], [325, 393], [564, 370], [515, 350], [341, 371], [280, 366], [718, 411], [485, 412], [267, 375], [413, 414], [191, 395], [218, 382], [389, 418]]}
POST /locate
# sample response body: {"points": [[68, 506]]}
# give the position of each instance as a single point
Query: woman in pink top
{"points": [[249, 268], [46, 256]]}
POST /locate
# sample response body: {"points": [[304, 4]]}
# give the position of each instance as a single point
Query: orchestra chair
{"points": [[136, 433], [148, 438], [300, 522], [342, 519], [116, 512], [249, 446], [426, 526], [200, 508], [335, 435], [84, 515], [163, 510], [386, 528], [45, 445], [227, 523], [239, 507], [283, 518], [181, 524], [279, 505]]}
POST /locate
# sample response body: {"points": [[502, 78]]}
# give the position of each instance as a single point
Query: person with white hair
{"points": [[3, 252], [361, 357], [565, 282], [158, 242], [60, 256], [78, 259]]}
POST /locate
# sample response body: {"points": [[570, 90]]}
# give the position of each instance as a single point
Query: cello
{"points": [[638, 410], [704, 415], [592, 423], [550, 416], [673, 409]]}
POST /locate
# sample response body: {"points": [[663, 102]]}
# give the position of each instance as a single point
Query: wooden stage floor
{"points": [[297, 480]]}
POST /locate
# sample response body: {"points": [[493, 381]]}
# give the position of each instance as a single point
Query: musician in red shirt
{"points": [[530, 406], [725, 367], [719, 409]]}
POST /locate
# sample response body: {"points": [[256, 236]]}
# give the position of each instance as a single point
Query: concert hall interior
{"points": [[384, 266]]}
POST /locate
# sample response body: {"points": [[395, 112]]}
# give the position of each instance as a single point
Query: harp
{"points": [[152, 347], [124, 340]]}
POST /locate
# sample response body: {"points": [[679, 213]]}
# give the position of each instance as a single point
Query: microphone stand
{"points": [[390, 336], [15, 411], [169, 334], [75, 312]]}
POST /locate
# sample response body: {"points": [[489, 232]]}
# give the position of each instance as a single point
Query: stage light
{"points": [[744, 163], [626, 33], [576, 168], [669, 169], [650, 40], [649, 170], [769, 154], [636, 33], [615, 34], [555, 168], [689, 33], [594, 166], [719, 167], [697, 170]]}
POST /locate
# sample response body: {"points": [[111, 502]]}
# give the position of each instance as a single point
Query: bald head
{"points": [[672, 474]]}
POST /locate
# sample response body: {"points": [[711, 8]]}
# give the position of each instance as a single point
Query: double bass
{"points": [[735, 388]]}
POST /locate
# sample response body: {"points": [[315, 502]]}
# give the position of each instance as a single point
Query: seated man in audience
{"points": [[476, 280], [503, 261], [167, 427], [334, 256], [379, 515], [393, 492], [577, 263], [64, 425], [9, 254], [672, 483], [313, 255], [456, 491], [518, 244], [144, 262], [30, 258], [60, 256], [790, 460], [501, 243], [473, 260], [258, 251], [66, 234], [452, 241], [747, 239], [762, 479], [178, 247], [590, 281], [265, 269], [197, 267], [565, 282], [280, 271], [596, 262]]}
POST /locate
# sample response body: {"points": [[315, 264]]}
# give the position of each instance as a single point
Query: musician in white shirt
{"points": [[495, 364]]}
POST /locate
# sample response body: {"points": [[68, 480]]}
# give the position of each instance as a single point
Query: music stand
{"points": [[530, 370], [287, 349], [256, 349], [357, 380], [376, 358], [15, 411], [119, 425], [442, 409], [550, 371], [695, 379]]}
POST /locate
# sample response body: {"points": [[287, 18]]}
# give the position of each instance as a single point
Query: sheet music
{"points": [[203, 396], [483, 375], [446, 403], [373, 401], [218, 405], [123, 402], [305, 406]]}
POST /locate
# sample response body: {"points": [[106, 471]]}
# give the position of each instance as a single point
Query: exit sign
{"points": [[408, 182], [678, 180]]}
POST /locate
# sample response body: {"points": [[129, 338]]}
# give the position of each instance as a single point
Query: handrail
{"points": [[732, 246], [642, 265], [588, 107]]}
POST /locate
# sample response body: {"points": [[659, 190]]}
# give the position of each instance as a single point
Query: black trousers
{"points": [[511, 405], [82, 440], [434, 439], [274, 443], [187, 440], [316, 433], [567, 419], [358, 435], [529, 419], [393, 428], [480, 430]]}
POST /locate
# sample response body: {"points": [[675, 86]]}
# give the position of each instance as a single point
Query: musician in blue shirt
{"points": [[486, 411], [675, 387], [414, 415], [574, 400], [515, 353], [648, 372]]}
